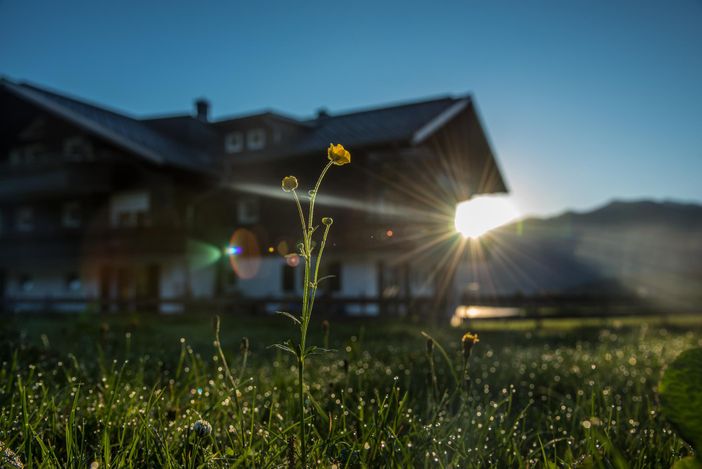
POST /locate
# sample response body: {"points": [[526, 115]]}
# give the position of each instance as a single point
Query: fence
{"points": [[523, 307]]}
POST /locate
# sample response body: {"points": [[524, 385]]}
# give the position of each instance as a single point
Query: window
{"points": [[25, 219], [288, 278], [126, 220], [26, 283], [15, 157], [130, 209], [28, 154], [71, 216], [32, 153], [73, 282], [77, 148], [234, 142], [333, 284], [231, 278], [277, 135], [143, 219], [247, 211], [255, 139]]}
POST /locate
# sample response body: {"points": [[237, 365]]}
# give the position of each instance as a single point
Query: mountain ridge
{"points": [[647, 248]]}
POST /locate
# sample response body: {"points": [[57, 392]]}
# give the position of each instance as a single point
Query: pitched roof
{"points": [[131, 134], [188, 143], [398, 124]]}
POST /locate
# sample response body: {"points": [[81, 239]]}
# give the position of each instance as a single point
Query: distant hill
{"points": [[649, 249]]}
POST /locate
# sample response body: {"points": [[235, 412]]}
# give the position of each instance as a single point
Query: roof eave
{"points": [[82, 122], [431, 127], [86, 124]]}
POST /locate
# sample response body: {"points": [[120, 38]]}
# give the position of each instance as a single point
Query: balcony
{"points": [[97, 241], [53, 177]]}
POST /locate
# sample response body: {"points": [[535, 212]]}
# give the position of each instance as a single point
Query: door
{"points": [[105, 283], [153, 285]]}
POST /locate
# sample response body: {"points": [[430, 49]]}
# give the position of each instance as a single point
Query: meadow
{"points": [[154, 391]]}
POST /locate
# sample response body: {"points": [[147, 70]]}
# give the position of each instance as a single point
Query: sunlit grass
{"points": [[129, 393]]}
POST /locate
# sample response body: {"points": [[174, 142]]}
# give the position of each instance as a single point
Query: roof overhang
{"points": [[80, 121], [439, 121]]}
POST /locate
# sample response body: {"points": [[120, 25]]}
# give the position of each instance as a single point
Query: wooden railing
{"points": [[365, 306], [521, 307]]}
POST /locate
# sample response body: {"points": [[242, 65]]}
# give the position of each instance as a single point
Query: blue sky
{"points": [[584, 101]]}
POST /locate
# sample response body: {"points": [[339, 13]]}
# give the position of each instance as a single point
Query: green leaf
{"points": [[288, 315], [446, 357], [314, 350], [680, 392], [284, 348], [325, 278], [689, 462], [318, 407]]}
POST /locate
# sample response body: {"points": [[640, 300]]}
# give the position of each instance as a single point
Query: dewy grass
{"points": [[74, 393], [337, 156], [537, 398]]}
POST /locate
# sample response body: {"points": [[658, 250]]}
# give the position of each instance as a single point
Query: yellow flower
{"points": [[468, 340], [469, 337], [289, 183], [338, 154]]}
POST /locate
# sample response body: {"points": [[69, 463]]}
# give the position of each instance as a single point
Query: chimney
{"points": [[202, 109], [322, 113]]}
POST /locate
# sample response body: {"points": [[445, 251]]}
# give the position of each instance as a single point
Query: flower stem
{"points": [[316, 266], [303, 443], [314, 193], [307, 299], [299, 211]]}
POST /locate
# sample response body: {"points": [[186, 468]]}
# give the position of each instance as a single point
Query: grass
{"points": [[127, 391]]}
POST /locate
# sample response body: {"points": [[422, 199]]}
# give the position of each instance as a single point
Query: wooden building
{"points": [[102, 210]]}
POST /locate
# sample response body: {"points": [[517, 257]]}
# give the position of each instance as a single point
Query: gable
{"points": [[120, 130]]}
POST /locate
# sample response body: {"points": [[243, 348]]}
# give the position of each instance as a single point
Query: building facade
{"points": [[101, 210]]}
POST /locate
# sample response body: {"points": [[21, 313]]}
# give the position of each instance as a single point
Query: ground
{"points": [[128, 390]]}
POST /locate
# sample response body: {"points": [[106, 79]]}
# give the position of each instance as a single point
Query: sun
{"points": [[477, 216]]}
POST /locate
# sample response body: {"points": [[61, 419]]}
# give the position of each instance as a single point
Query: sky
{"points": [[583, 101]]}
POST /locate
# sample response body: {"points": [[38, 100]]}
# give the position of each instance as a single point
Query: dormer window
{"points": [[234, 142], [255, 139], [277, 135]]}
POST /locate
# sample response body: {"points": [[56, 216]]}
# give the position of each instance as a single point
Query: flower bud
{"points": [[467, 341], [289, 183], [202, 428], [327, 221]]}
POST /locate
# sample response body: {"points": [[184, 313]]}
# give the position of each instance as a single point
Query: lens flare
{"points": [[477, 216], [232, 250], [201, 254], [244, 254], [283, 248], [293, 260]]}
